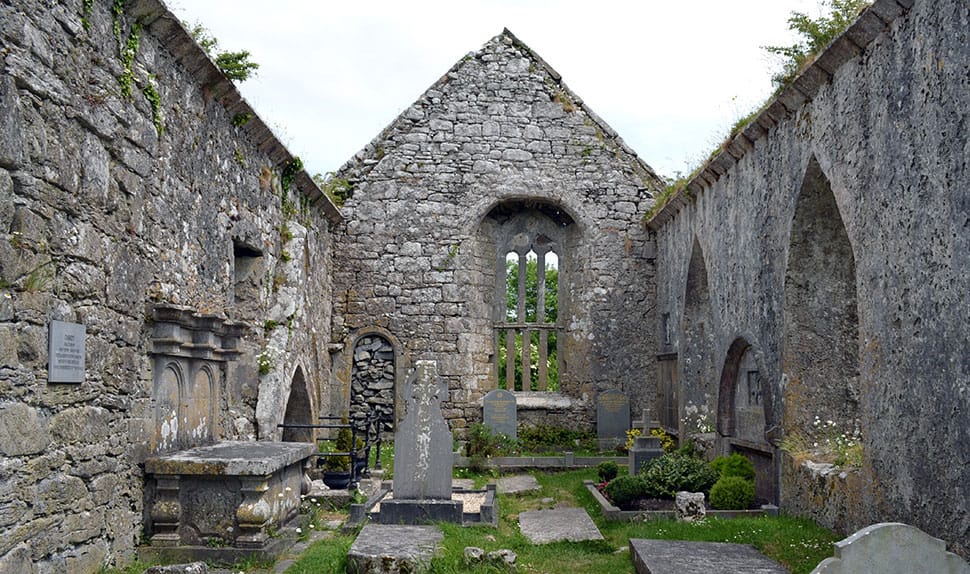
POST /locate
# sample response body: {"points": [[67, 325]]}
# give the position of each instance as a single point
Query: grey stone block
{"points": [[680, 557], [544, 526], [387, 549], [892, 548]]}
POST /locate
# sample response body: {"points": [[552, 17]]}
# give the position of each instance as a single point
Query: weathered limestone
{"points": [[499, 142], [390, 549], [112, 207], [835, 247], [690, 506], [544, 526], [891, 548], [679, 557]]}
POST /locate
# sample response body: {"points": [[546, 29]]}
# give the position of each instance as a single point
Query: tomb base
{"points": [[230, 498], [413, 512]]}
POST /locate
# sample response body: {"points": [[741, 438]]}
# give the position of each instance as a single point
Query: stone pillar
{"points": [[166, 511], [253, 512]]}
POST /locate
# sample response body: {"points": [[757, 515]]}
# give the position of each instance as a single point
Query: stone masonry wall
{"points": [[880, 123], [110, 204], [500, 129]]}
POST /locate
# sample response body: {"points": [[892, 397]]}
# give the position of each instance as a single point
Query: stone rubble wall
{"points": [[102, 215], [887, 127], [415, 258]]}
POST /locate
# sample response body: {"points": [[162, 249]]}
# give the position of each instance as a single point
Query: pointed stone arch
{"points": [[697, 346], [299, 409], [742, 415], [820, 344]]}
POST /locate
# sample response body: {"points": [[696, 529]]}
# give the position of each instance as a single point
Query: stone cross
{"points": [[423, 460]]}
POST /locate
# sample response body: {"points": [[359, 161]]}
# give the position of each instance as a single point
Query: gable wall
{"points": [[414, 259], [889, 133]]}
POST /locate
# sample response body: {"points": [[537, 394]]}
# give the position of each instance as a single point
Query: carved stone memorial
{"points": [[423, 460], [499, 412], [65, 353], [612, 418]]}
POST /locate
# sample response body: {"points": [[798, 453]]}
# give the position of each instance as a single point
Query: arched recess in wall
{"points": [[820, 355], [742, 418], [532, 244], [697, 348], [168, 399], [202, 407], [373, 386], [299, 410]]}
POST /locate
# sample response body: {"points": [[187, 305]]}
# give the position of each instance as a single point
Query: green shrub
{"points": [[547, 438], [607, 470], [623, 491], [484, 444], [664, 476], [735, 465], [732, 493]]}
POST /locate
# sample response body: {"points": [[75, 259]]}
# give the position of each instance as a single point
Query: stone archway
{"points": [[697, 360], [299, 410], [373, 380], [820, 354], [741, 416]]}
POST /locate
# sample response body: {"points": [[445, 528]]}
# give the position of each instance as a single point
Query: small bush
{"points": [[735, 465], [547, 438], [623, 491], [664, 476], [484, 444], [607, 470], [732, 493]]}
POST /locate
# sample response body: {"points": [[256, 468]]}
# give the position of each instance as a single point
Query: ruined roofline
{"points": [[364, 160], [872, 21], [155, 17]]}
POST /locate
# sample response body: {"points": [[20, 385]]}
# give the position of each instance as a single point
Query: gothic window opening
{"points": [[527, 347], [530, 263]]}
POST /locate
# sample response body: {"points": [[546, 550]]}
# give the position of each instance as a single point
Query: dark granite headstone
{"points": [[499, 412], [612, 417], [66, 353], [423, 460]]}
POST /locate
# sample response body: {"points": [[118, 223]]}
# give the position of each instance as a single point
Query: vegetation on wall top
{"points": [[235, 65], [815, 34]]}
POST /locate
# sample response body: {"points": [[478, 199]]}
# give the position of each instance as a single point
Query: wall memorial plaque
{"points": [[499, 412], [612, 415], [65, 362]]}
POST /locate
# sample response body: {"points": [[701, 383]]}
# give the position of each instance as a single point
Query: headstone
{"points": [[690, 506], [612, 418], [892, 548], [65, 353], [645, 449], [499, 412], [423, 460]]}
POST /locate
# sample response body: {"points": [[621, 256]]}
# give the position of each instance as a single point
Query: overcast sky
{"points": [[669, 76]]}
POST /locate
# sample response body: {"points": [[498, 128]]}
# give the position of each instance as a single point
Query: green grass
{"points": [[328, 555], [797, 544]]}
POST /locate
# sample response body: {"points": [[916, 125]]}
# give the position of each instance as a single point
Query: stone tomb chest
{"points": [[227, 494]]}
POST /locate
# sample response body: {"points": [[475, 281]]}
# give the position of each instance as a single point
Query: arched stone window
{"points": [[531, 262]]}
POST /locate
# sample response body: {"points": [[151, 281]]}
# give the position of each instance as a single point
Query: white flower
{"points": [[299, 530]]}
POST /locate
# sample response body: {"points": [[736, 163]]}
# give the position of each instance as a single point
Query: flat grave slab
{"points": [[517, 484], [680, 557], [393, 548], [544, 526]]}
